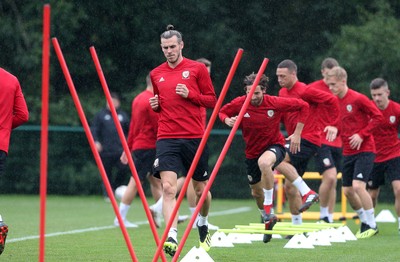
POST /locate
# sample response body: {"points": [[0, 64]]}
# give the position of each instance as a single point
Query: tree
{"points": [[370, 49]]}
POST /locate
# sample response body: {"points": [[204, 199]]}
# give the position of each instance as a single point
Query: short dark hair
{"points": [[171, 32], [249, 80], [378, 83], [329, 63], [289, 64]]}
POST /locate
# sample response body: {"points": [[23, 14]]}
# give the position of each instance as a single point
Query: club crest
{"points": [[392, 119], [349, 108], [185, 75], [270, 113]]}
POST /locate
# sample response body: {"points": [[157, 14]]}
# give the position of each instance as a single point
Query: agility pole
{"points": [[222, 156], [89, 136], [126, 148], [199, 151], [44, 133]]}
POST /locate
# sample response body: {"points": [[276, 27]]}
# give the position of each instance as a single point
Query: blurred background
{"points": [[363, 36]]}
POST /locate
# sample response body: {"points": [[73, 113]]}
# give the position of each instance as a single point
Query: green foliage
{"points": [[370, 49]]}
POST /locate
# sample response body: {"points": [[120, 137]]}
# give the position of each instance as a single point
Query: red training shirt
{"points": [[13, 108], [316, 100], [325, 114], [386, 135], [358, 115], [182, 117], [144, 123], [261, 124]]}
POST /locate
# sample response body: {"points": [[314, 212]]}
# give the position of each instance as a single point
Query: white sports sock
{"points": [[370, 217], [301, 186], [192, 209], [201, 221], [397, 219], [262, 212], [361, 215], [1, 219], [268, 196], [297, 219], [123, 210], [173, 232], [330, 217], [158, 205], [323, 212]]}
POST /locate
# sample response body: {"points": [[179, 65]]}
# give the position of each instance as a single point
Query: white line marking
{"points": [[78, 231]]}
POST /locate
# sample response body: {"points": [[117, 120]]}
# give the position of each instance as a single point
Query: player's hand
{"points": [[355, 141], [295, 140], [123, 158], [230, 121], [331, 133], [182, 90], [154, 102]]}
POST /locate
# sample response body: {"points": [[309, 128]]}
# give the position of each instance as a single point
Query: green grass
{"points": [[65, 214]]}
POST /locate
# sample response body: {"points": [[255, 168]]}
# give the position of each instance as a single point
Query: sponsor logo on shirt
{"points": [[161, 79], [349, 108], [185, 75], [246, 115], [392, 119]]}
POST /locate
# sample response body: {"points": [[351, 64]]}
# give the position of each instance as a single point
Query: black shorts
{"points": [[254, 172], [301, 159], [357, 167], [3, 158], [144, 159], [390, 168], [177, 155], [328, 157]]}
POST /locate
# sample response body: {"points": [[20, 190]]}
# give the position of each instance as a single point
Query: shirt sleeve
{"points": [[206, 96], [376, 117], [20, 110]]}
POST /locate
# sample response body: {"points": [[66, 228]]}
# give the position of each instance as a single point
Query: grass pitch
{"points": [[81, 229]]}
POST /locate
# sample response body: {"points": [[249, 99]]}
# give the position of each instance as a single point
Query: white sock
{"points": [[123, 210], [370, 217], [173, 232], [192, 209], [301, 186], [297, 219], [1, 219], [263, 214], [158, 205], [361, 215], [201, 221], [323, 212], [268, 196], [397, 219], [330, 217]]}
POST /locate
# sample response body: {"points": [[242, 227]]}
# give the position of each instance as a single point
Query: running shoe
{"points": [[269, 223], [170, 246], [205, 238], [308, 199], [126, 223], [368, 232]]}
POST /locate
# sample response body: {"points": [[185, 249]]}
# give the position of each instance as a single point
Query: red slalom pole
{"points": [[125, 147], [221, 158], [200, 149], [44, 141], [89, 136]]}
